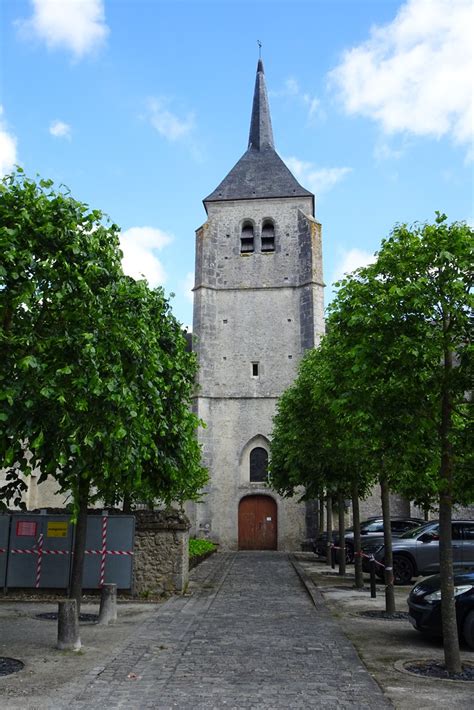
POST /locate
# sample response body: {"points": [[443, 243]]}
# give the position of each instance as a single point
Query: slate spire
{"points": [[261, 134], [260, 172]]}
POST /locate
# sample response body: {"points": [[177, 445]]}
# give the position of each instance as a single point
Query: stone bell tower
{"points": [[258, 305]]}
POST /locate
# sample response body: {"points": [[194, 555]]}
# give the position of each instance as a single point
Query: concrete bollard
{"points": [[108, 604], [68, 626]]}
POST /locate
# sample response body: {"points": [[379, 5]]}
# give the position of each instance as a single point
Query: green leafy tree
{"points": [[95, 383], [409, 318], [313, 444]]}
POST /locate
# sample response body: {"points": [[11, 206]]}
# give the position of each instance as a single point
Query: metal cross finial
{"points": [[259, 49]]}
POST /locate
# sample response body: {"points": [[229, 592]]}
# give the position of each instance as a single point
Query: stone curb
{"points": [[400, 666], [309, 585]]}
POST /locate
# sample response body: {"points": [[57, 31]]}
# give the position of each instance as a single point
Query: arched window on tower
{"points": [[268, 236], [258, 465], [246, 238]]}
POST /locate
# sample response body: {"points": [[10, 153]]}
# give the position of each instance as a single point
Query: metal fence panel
{"points": [[4, 534], [109, 551], [40, 551]]}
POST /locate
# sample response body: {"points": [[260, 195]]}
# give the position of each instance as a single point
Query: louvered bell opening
{"points": [[247, 239], [268, 237]]}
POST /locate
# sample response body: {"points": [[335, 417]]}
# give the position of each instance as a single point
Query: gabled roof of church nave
{"points": [[260, 172]]}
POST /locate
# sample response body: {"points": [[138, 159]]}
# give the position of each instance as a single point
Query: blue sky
{"points": [[142, 107]]}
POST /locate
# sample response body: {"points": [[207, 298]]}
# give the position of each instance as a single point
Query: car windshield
{"points": [[372, 526], [418, 531]]}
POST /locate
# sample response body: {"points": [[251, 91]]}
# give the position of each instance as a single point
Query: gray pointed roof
{"points": [[260, 172]]}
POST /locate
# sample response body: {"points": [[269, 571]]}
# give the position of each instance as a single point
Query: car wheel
{"points": [[468, 629], [349, 554], [403, 569]]}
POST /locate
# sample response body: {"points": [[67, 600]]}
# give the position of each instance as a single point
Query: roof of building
{"points": [[260, 172]]}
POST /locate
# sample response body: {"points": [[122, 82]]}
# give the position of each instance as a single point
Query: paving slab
{"points": [[248, 637]]}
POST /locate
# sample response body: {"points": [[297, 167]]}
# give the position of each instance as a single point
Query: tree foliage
{"points": [[394, 378], [95, 382]]}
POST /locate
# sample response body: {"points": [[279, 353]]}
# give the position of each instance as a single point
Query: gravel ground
{"points": [[49, 675]]}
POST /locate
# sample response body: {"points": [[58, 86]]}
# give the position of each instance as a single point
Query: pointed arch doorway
{"points": [[257, 523]]}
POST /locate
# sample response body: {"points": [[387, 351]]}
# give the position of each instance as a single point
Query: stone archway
{"points": [[258, 523]]}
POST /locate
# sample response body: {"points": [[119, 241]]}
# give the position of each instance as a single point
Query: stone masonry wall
{"points": [[260, 308], [161, 559]]}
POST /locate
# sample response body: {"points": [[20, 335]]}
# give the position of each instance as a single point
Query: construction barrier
{"points": [[40, 551], [36, 551], [109, 551]]}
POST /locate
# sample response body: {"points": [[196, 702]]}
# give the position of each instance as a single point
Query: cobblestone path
{"points": [[248, 637]]}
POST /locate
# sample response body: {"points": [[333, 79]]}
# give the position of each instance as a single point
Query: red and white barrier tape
{"points": [[371, 557], [109, 552], [38, 561], [362, 554]]}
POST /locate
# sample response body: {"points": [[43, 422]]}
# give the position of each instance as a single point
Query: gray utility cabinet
{"points": [[4, 535], [39, 548], [40, 551], [116, 555]]}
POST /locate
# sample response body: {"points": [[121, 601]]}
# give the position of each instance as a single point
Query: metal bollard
{"points": [[68, 626], [108, 604], [373, 588]]}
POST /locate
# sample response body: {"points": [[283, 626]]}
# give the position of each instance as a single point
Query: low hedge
{"points": [[199, 550], [200, 547]]}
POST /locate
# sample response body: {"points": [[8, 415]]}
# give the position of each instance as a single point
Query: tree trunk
{"points": [[387, 540], [452, 656], [358, 575], [342, 528], [79, 544], [127, 503], [328, 528], [321, 515]]}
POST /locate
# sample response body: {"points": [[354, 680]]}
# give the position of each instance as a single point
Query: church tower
{"points": [[258, 305]]}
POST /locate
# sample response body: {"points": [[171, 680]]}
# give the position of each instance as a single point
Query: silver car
{"points": [[416, 551]]}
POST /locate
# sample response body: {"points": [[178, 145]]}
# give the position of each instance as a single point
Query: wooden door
{"points": [[257, 523]]}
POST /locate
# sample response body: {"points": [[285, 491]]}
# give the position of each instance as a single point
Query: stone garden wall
{"points": [[161, 553]]}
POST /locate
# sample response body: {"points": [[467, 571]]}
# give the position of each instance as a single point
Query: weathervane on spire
{"points": [[259, 49]]}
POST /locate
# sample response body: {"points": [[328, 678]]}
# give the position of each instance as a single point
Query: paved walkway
{"points": [[248, 637]]}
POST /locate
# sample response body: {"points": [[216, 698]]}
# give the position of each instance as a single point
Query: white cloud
{"points": [[386, 150], [59, 129], [349, 260], [292, 89], [139, 246], [167, 123], [188, 285], [8, 154], [318, 180], [76, 25], [414, 74]]}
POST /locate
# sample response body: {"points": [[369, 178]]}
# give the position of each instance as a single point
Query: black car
{"points": [[424, 603], [372, 526]]}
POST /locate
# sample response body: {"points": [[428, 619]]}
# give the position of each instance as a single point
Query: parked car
{"points": [[424, 603], [417, 551], [368, 528]]}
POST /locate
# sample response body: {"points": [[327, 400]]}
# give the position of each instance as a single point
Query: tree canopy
{"points": [[95, 383], [395, 374]]}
